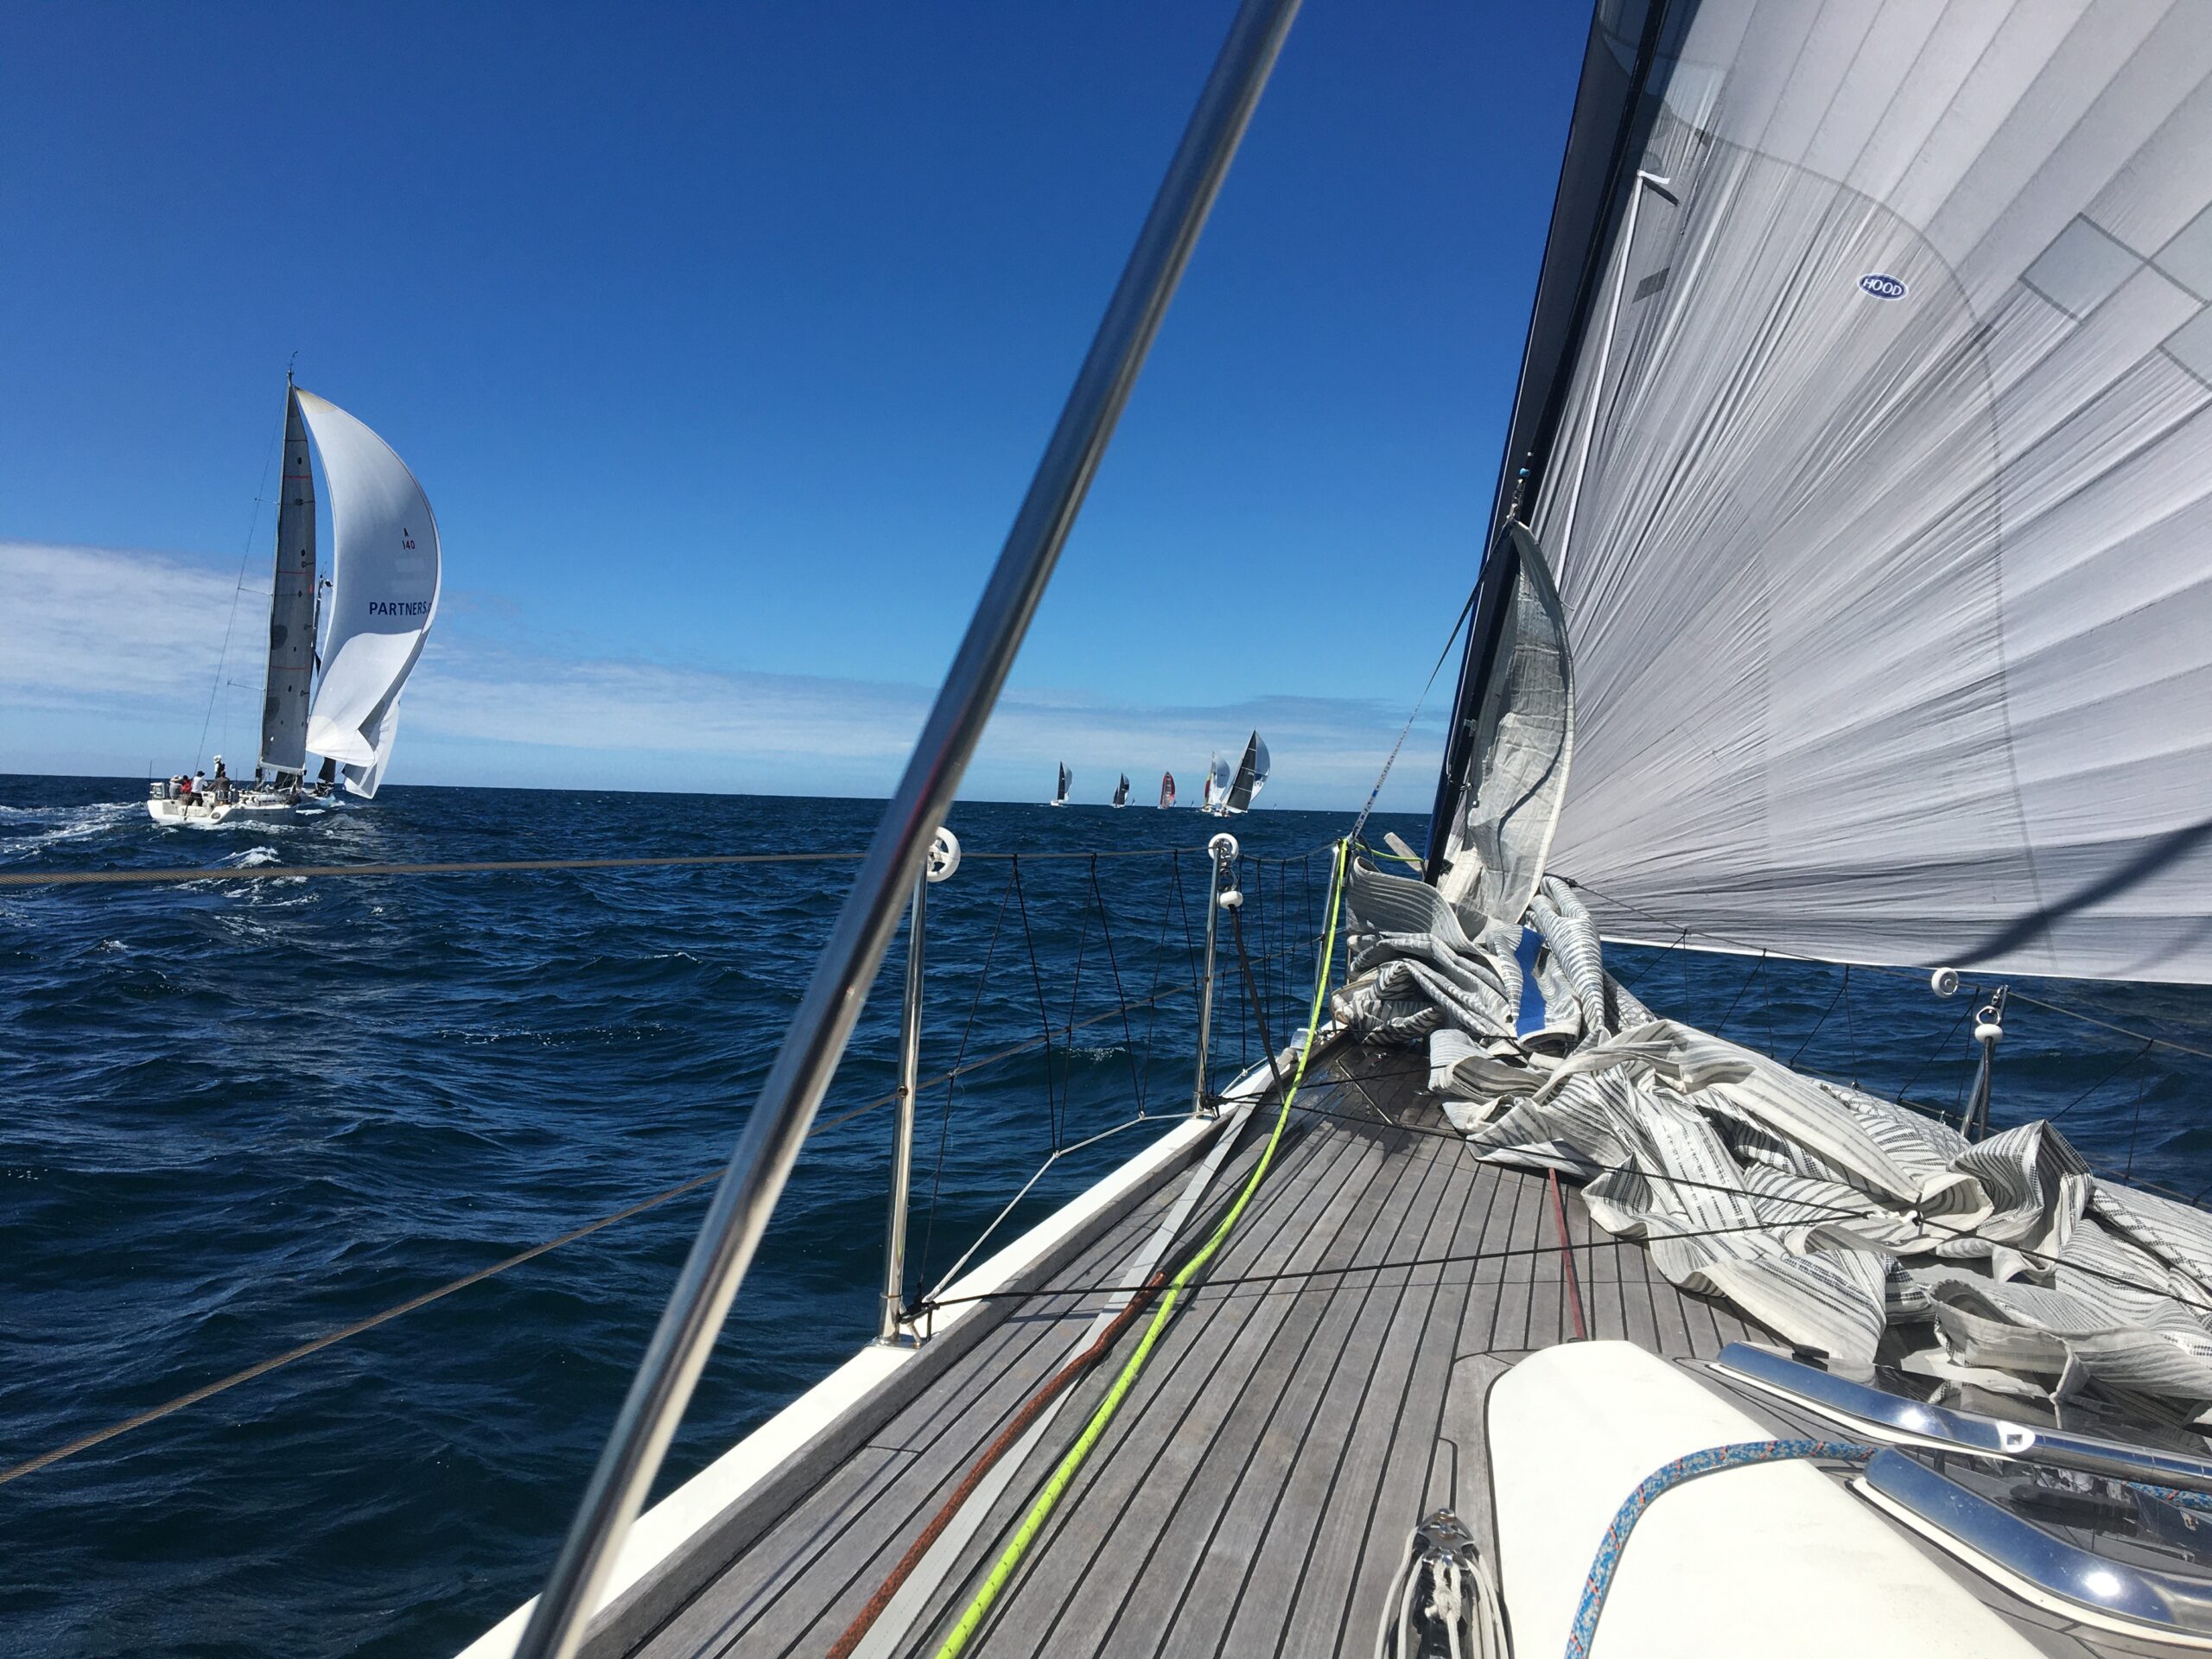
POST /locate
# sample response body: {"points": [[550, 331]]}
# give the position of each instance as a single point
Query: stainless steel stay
{"points": [[819, 1030], [1221, 852]]}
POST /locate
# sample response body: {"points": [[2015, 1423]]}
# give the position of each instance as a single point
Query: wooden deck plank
{"points": [[1255, 1491], [1160, 1443], [1349, 1432], [1378, 1489], [1176, 1555], [763, 1599]]}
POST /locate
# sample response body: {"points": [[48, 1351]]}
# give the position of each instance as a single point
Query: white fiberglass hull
{"points": [[208, 814]]}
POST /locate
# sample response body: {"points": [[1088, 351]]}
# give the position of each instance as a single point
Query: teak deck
{"points": [[1319, 1394]]}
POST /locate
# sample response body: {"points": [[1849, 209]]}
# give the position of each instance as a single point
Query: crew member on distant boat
{"points": [[222, 780]]}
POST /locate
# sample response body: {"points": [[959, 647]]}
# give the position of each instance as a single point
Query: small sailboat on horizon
{"points": [[1167, 789], [1121, 790], [335, 670], [1060, 793]]}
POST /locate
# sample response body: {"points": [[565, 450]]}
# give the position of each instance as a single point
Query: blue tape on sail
{"points": [[1533, 1011]]}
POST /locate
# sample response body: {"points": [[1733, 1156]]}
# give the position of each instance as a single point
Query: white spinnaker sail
{"points": [[384, 593], [1881, 498], [1218, 772]]}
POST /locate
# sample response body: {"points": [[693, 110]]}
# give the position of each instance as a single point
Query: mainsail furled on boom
{"points": [[1867, 422], [383, 592]]}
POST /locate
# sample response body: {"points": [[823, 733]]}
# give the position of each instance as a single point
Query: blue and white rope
{"points": [[1710, 1461]]}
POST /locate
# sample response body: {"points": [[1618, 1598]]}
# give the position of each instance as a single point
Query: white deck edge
{"points": [[662, 1529]]}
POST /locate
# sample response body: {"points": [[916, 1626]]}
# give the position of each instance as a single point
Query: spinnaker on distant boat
{"points": [[1167, 789], [384, 593]]}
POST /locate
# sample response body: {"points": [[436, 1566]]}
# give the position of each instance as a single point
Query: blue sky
{"points": [[723, 340]]}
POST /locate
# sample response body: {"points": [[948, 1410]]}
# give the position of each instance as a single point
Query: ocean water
{"points": [[234, 1116]]}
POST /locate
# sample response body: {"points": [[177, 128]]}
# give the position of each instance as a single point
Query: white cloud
{"points": [[127, 643]]}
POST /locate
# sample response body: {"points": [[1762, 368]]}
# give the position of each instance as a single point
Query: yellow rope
{"points": [[1042, 1509]]}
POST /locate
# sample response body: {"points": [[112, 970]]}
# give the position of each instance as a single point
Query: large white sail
{"points": [[1868, 407], [1251, 773], [290, 674], [384, 593]]}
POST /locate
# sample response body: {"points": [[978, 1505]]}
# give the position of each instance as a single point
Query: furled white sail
{"points": [[384, 593], [1876, 482]]}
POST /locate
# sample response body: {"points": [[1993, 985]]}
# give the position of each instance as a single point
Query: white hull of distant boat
{"points": [[176, 812]]}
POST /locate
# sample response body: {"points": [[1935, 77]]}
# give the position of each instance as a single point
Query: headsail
{"points": [[1251, 773], [291, 607], [384, 593], [1167, 789], [1867, 412]]}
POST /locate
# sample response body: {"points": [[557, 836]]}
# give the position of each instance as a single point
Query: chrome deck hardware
{"points": [[1221, 852], [1991, 1536], [1969, 1433], [943, 859]]}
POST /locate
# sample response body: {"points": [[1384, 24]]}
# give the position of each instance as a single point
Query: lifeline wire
{"points": [[496, 865], [1070, 1464], [262, 1368]]}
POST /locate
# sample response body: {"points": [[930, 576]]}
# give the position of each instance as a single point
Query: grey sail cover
{"points": [[384, 593], [291, 607], [1879, 500]]}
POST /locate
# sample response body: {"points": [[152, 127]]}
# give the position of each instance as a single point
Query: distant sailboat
{"points": [[1217, 782], [1233, 792], [1060, 795], [383, 584], [1167, 789], [1121, 790]]}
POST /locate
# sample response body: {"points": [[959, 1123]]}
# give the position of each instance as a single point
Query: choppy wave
{"points": [[238, 1113]]}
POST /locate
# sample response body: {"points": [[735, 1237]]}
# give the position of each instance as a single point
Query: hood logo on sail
{"points": [[1882, 286]]}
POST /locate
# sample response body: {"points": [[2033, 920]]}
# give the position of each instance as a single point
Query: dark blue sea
{"points": [[236, 1116]]}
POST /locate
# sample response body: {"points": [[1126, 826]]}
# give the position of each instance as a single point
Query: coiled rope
{"points": [[1072, 1461]]}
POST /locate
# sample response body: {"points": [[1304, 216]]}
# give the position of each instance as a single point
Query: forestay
{"points": [[1875, 471], [384, 593]]}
